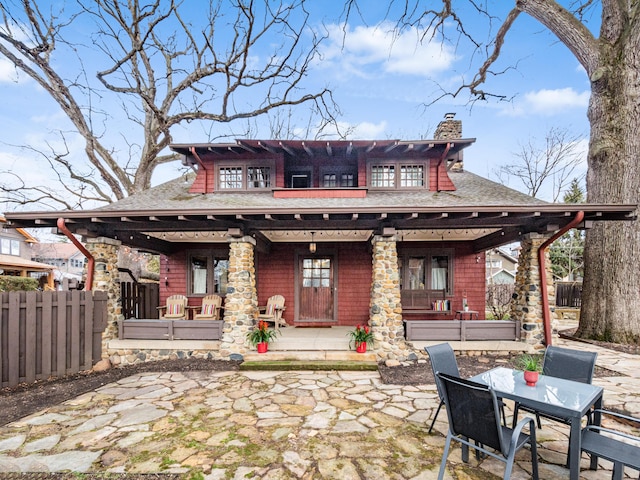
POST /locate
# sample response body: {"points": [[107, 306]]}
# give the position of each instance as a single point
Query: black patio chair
{"points": [[567, 363], [443, 360], [576, 365], [474, 415], [618, 447]]}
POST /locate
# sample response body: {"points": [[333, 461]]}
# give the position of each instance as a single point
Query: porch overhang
{"points": [[165, 231]]}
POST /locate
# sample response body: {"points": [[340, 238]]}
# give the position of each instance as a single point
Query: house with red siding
{"points": [[378, 232]]}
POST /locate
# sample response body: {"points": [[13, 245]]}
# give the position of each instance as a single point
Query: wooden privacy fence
{"points": [[44, 334], [569, 294], [139, 300]]}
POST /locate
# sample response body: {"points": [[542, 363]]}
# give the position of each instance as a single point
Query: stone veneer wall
{"points": [[107, 278], [526, 304], [385, 308], [241, 303]]}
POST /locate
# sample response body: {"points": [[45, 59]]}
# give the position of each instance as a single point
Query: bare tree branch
{"points": [[555, 162], [163, 68]]}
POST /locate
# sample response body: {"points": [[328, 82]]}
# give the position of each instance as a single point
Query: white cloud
{"points": [[8, 73], [549, 102], [368, 130], [366, 51]]}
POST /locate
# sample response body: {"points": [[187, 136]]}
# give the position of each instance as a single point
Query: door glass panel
{"points": [[316, 272], [416, 273], [440, 272], [221, 276], [198, 275]]}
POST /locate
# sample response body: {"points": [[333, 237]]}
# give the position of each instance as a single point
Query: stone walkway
{"points": [[275, 425]]}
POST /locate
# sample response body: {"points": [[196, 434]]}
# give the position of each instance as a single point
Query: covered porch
{"points": [[378, 233]]}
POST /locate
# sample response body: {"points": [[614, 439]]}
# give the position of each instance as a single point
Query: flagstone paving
{"points": [[276, 425]]}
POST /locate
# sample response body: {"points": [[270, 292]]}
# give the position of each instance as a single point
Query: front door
{"points": [[315, 288]]}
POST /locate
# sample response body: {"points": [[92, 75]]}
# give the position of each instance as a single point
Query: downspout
{"points": [[546, 313], [91, 261], [444, 155], [201, 163]]}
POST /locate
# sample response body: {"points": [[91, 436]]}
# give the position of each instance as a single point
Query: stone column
{"points": [[526, 304], [107, 278], [385, 309], [241, 302]]}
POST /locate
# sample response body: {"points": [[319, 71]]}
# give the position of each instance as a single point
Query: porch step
{"points": [[293, 339], [309, 360]]}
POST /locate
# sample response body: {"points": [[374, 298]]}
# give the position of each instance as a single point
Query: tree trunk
{"points": [[611, 289]]}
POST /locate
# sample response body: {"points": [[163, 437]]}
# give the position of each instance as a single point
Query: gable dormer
{"points": [[340, 168]]}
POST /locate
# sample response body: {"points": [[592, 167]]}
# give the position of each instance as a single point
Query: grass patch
{"points": [[286, 365]]}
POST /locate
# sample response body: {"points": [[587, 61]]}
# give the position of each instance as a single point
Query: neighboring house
{"points": [[501, 266], [15, 255], [66, 257], [349, 232]]}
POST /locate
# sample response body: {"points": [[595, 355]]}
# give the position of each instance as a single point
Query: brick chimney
{"points": [[448, 128]]}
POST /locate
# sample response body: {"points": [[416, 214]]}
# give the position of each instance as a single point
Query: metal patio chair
{"points": [[620, 448], [443, 360], [272, 312], [175, 308], [567, 363], [474, 421], [576, 365], [210, 310]]}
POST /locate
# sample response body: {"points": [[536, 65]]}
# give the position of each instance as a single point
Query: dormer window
{"points": [[396, 174], [337, 176], [247, 176]]}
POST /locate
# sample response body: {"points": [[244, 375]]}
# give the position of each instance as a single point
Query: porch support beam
{"points": [[106, 278], [527, 303], [241, 302], [385, 309]]}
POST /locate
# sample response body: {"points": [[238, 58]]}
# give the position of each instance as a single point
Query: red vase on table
{"points": [[361, 347], [262, 347], [530, 377]]}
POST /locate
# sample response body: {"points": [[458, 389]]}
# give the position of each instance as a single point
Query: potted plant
{"points": [[531, 366], [361, 337], [260, 336]]}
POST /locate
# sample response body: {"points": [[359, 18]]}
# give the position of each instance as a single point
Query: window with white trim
{"points": [[9, 246], [392, 174], [245, 176]]}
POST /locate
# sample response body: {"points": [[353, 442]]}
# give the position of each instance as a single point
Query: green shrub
{"points": [[17, 284]]}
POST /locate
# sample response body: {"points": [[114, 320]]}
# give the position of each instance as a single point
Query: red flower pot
{"points": [[262, 347], [530, 377], [361, 347]]}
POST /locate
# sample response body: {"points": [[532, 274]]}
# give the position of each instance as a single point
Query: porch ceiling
{"points": [[164, 231]]}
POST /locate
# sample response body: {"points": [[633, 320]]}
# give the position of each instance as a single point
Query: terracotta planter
{"points": [[262, 347], [530, 377], [361, 347]]}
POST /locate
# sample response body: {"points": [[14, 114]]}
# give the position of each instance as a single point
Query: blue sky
{"points": [[382, 84]]}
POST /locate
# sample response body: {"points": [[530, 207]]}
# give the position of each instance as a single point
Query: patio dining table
{"points": [[551, 395]]}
